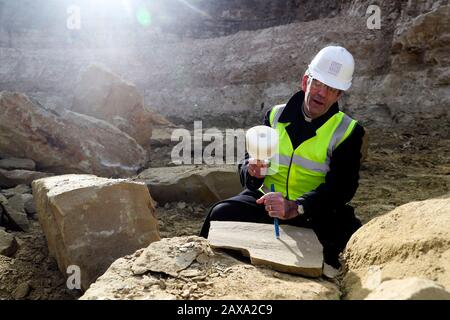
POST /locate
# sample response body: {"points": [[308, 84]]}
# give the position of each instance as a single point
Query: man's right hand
{"points": [[257, 168]]}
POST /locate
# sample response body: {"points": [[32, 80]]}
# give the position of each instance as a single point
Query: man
{"points": [[318, 161]]}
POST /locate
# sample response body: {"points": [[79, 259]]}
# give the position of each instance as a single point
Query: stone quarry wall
{"points": [[23, 20], [401, 70]]}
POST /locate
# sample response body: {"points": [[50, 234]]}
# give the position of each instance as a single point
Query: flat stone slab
{"points": [[191, 183], [297, 251]]}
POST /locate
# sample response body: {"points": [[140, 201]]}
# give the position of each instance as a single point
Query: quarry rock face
{"points": [[401, 73], [90, 221], [200, 19], [67, 142], [419, 68]]}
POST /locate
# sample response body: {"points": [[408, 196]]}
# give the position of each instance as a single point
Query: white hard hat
{"points": [[333, 66]]}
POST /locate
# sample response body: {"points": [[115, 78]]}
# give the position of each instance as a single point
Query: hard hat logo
{"points": [[334, 67]]}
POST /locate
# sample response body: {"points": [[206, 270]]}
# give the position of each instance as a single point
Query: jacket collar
{"points": [[293, 111]]}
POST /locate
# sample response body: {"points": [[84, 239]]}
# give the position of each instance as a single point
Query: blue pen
{"points": [[275, 220]]}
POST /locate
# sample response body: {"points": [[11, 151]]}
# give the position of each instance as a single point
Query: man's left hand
{"points": [[277, 206]]}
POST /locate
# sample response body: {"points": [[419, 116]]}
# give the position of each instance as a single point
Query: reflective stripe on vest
{"points": [[305, 174], [300, 161], [338, 135]]}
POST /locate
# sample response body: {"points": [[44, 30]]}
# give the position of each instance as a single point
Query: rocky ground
{"points": [[31, 273], [403, 164], [187, 268]]}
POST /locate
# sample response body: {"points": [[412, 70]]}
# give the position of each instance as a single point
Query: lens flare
{"points": [[144, 17]]}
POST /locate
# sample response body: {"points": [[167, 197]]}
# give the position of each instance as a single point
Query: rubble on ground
{"points": [[187, 268]]}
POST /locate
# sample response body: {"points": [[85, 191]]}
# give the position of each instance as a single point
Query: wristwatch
{"points": [[300, 209]]}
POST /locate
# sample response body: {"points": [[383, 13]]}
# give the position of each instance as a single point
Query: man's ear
{"points": [[304, 82], [340, 94]]}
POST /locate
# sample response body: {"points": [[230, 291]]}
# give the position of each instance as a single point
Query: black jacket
{"points": [[341, 182]]}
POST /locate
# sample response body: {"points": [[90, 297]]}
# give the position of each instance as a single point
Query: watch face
{"points": [[300, 209]]}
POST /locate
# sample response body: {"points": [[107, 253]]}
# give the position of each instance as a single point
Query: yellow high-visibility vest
{"points": [[295, 172]]}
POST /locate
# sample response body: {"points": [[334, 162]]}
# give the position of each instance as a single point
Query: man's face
{"points": [[319, 98]]}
